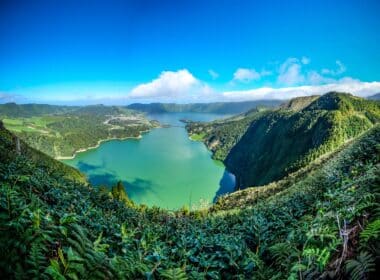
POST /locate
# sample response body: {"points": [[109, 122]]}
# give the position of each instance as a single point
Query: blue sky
{"points": [[183, 51]]}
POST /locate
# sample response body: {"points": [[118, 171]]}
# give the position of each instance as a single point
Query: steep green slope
{"points": [[251, 195], [221, 135], [263, 146], [213, 107], [283, 141], [55, 228]]}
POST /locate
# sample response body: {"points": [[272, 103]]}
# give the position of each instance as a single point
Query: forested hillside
{"points": [[60, 131], [55, 227], [221, 135], [214, 107], [262, 147]]}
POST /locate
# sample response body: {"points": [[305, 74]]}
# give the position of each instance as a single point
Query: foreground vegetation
{"points": [[260, 147], [325, 224], [60, 131]]}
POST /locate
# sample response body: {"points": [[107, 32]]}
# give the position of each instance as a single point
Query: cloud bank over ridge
{"points": [[292, 78]]}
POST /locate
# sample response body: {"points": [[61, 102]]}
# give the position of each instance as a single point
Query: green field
{"points": [[32, 124], [197, 136]]}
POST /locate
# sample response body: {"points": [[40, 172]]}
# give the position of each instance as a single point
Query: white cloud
{"points": [[349, 85], [294, 78], [178, 85], [265, 72], [305, 60], [290, 72], [182, 86], [214, 75], [246, 75], [315, 78], [341, 68]]}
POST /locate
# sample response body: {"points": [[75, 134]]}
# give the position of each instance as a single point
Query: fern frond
{"points": [[173, 274], [359, 268], [372, 231]]}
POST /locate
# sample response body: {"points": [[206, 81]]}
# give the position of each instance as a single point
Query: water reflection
{"points": [[226, 185]]}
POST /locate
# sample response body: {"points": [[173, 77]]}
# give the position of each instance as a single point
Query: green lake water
{"points": [[164, 168]]}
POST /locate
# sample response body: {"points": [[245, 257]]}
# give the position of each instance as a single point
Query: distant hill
{"points": [[215, 107], [264, 146], [374, 97], [100, 110], [13, 110]]}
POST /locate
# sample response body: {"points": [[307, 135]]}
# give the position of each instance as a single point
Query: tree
{"points": [[119, 193]]}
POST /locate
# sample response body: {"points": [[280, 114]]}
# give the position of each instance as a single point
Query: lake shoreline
{"points": [[98, 144]]}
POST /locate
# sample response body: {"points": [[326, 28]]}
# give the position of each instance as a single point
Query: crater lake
{"points": [[164, 168]]}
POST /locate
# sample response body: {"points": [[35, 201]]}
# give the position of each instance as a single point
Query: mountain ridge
{"points": [[265, 146], [374, 96]]}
